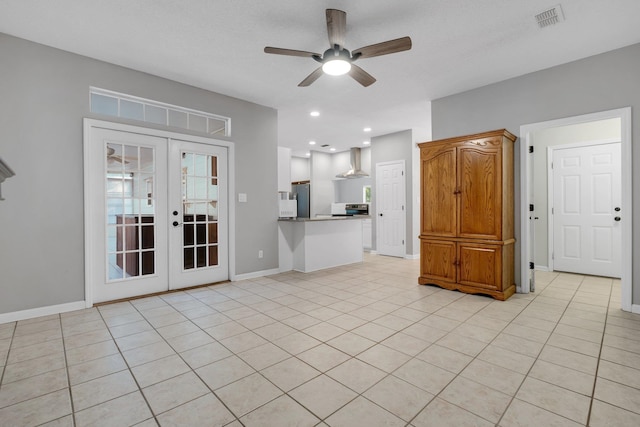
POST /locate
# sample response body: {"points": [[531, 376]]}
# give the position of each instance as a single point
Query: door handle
{"points": [[175, 213], [617, 209], [176, 223], [380, 214], [617, 218]]}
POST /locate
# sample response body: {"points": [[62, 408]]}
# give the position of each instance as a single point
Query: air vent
{"points": [[324, 145], [550, 16]]}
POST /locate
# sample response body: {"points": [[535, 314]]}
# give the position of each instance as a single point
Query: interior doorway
{"points": [[156, 211], [535, 235]]}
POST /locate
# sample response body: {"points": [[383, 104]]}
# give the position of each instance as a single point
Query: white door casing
{"points": [[585, 191], [390, 208], [147, 205]]}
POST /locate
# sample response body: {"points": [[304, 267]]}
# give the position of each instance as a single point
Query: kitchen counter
{"points": [[311, 244], [325, 218]]}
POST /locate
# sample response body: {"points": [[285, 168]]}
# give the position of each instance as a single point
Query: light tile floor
{"points": [[361, 345]]}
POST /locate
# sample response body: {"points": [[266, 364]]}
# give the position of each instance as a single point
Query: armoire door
{"points": [[438, 192], [479, 265], [437, 260], [479, 186]]}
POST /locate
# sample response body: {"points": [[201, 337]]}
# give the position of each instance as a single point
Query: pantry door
{"points": [[198, 236], [155, 212]]}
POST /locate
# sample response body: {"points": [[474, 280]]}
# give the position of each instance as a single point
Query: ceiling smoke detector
{"points": [[550, 16]]}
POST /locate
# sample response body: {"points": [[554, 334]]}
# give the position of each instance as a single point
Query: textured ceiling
{"points": [[218, 45]]}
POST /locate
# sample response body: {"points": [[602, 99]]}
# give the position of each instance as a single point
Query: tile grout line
{"points": [[6, 359], [304, 286], [540, 352], [180, 356], [128, 366], [66, 366], [595, 377]]}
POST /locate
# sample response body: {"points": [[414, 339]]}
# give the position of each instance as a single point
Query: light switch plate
{"points": [[242, 197]]}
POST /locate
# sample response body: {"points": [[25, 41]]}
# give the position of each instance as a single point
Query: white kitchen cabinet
{"points": [[284, 169], [367, 233]]}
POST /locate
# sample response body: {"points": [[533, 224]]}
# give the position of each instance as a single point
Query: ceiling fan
{"points": [[337, 60], [112, 157]]}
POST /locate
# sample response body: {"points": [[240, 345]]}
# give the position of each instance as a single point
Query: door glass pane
{"points": [[130, 211], [213, 233], [199, 210]]}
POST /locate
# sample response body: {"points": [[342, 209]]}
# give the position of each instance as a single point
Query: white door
{"points": [[587, 210], [390, 208], [198, 203], [133, 185]]}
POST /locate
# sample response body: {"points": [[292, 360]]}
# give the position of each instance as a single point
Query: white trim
{"points": [[89, 211], [256, 274], [412, 256], [550, 194], [542, 268], [42, 311], [635, 308], [627, 200], [551, 189]]}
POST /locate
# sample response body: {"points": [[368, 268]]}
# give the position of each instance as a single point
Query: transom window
{"points": [[145, 110]]}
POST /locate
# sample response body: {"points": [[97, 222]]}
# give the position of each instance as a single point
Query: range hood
{"points": [[355, 171]]}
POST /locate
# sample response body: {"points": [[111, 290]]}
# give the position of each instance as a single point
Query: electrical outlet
{"points": [[260, 253]]}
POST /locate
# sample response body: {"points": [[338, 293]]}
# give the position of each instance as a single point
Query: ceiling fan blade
{"points": [[311, 77], [289, 52], [384, 48], [361, 76], [336, 27]]}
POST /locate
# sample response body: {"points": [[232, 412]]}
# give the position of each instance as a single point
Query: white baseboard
{"points": [[255, 274], [41, 311], [412, 256], [542, 268], [635, 308]]}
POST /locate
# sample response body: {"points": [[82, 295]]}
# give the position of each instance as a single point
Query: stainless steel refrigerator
{"points": [[302, 193]]}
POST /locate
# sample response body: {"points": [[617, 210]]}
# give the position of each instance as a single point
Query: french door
{"points": [[198, 200], [156, 214]]}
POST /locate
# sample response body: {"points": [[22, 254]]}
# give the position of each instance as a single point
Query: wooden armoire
{"points": [[466, 234]]}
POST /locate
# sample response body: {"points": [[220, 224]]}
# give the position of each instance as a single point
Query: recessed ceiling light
{"points": [[366, 142], [312, 143], [332, 149], [314, 113], [308, 154], [367, 129]]}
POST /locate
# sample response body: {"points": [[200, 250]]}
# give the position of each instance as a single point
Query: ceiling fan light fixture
{"points": [[336, 67]]}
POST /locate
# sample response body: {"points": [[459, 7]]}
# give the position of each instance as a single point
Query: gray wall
{"points": [[603, 82], [387, 148], [350, 190], [44, 97]]}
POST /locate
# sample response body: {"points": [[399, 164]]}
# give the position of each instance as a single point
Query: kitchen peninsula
{"points": [[310, 244]]}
